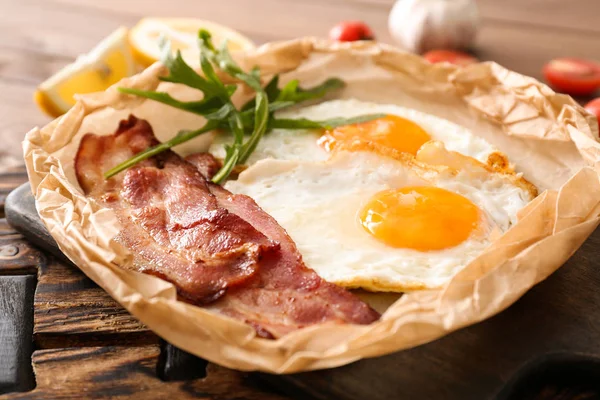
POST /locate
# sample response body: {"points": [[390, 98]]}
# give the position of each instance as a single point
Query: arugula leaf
{"points": [[200, 107], [272, 91], [180, 72], [318, 91], [261, 119], [221, 113], [303, 123], [248, 124]]}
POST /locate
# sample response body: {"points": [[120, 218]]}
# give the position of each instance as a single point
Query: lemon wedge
{"points": [[110, 61], [183, 34]]}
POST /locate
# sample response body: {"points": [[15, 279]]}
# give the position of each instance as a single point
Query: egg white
{"points": [[317, 204], [302, 144]]}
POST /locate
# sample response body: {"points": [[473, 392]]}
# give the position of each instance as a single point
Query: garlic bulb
{"points": [[422, 25]]}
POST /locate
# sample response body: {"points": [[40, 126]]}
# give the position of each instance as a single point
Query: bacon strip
{"points": [[220, 250]]}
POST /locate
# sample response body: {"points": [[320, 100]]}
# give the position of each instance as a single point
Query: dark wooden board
{"points": [[70, 309], [16, 308], [119, 372], [559, 316]]}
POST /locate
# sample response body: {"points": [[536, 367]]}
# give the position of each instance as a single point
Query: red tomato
{"points": [[451, 56], [350, 31], [593, 107], [573, 76]]}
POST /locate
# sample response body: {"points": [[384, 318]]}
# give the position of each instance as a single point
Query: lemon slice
{"points": [[110, 61], [183, 34]]}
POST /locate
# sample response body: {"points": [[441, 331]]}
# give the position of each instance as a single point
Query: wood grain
{"points": [[128, 372], [16, 307], [17, 256], [71, 310]]}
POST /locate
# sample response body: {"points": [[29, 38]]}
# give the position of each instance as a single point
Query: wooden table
{"points": [[38, 37], [83, 343]]}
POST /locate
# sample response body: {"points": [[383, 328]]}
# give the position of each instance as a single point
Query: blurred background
{"points": [[39, 37]]}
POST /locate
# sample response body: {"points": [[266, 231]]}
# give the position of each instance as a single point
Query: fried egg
{"points": [[382, 219], [402, 129]]}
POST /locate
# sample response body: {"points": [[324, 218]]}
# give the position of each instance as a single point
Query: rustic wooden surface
{"points": [[16, 297], [38, 37], [83, 339], [118, 372]]}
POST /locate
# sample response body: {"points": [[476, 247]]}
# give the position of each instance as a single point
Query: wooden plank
{"points": [[128, 372], [17, 256], [71, 310], [16, 307]]}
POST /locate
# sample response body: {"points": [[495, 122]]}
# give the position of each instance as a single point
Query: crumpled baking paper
{"points": [[547, 136]]}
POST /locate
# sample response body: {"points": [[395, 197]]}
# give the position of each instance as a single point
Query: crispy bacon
{"points": [[220, 250], [171, 221], [206, 163]]}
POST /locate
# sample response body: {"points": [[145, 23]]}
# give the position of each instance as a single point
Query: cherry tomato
{"points": [[350, 31], [593, 107], [451, 56], [573, 75]]}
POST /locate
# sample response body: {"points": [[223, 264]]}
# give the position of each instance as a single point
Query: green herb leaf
{"points": [[231, 160], [261, 119], [221, 113], [180, 72], [200, 107], [272, 91], [303, 123], [318, 91], [250, 123]]}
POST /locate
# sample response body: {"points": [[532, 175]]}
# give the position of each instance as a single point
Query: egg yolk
{"points": [[420, 218], [390, 131]]}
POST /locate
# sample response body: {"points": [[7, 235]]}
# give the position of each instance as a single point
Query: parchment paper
{"points": [[548, 137]]}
